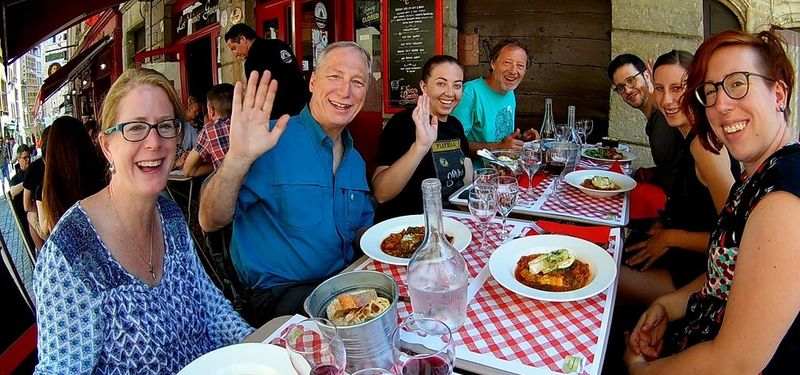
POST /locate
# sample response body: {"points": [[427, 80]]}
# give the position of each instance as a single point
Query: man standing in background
{"points": [[275, 55]]}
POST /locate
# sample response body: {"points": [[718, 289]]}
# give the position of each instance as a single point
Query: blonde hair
{"points": [[129, 80]]}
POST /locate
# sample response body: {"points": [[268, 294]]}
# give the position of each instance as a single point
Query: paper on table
{"points": [[477, 283], [279, 331]]}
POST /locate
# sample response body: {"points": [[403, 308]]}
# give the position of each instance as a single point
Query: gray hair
{"points": [[338, 45]]}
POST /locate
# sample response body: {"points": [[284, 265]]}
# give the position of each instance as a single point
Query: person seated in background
{"points": [[743, 317], [32, 192], [423, 142], [24, 159], [633, 83], [72, 171], [488, 105], [297, 194], [120, 273], [194, 122], [672, 253], [212, 142]]}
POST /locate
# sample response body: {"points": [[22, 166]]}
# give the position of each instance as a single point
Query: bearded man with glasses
{"points": [[633, 82]]}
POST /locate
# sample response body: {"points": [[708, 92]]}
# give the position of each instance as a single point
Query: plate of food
{"points": [[599, 183], [394, 241], [608, 154], [553, 267], [242, 359]]}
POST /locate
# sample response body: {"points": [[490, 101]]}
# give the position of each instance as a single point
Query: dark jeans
{"points": [[266, 304]]}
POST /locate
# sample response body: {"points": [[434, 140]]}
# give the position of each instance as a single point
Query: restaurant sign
{"points": [[412, 31], [196, 16]]}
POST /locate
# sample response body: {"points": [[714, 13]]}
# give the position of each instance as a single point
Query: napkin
{"points": [[537, 178], [595, 234]]}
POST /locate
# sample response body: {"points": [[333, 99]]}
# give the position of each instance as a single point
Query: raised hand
{"points": [[427, 127], [250, 136], [647, 338]]}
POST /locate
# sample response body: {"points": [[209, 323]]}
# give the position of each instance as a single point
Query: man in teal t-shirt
{"points": [[488, 104]]}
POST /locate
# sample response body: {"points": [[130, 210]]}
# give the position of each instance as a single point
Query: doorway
{"points": [[198, 67]]}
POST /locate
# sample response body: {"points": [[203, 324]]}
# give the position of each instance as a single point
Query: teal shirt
{"points": [[487, 116], [295, 220]]}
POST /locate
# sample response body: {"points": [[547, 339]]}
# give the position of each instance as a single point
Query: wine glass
{"points": [[557, 159], [315, 347], [483, 207], [423, 346], [531, 160], [507, 192], [562, 132], [585, 129], [373, 371], [485, 178]]}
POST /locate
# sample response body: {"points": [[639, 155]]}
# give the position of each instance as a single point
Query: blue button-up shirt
{"points": [[295, 220]]}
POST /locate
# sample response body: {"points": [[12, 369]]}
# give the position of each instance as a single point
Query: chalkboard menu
{"points": [[412, 41]]}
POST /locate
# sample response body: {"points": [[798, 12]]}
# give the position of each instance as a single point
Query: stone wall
{"points": [[232, 69]]}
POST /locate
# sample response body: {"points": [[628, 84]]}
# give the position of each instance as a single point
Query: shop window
{"points": [[318, 30], [367, 22]]}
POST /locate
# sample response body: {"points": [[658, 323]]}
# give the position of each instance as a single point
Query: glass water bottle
{"points": [[437, 272], [574, 138], [548, 130]]}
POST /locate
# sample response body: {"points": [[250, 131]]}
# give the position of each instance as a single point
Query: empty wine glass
{"points": [[485, 178], [531, 160], [584, 127], [483, 207], [507, 192], [423, 346], [315, 347]]}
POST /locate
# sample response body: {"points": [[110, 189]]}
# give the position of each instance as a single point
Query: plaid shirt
{"points": [[212, 142]]}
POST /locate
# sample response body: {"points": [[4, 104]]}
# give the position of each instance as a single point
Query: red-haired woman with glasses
{"points": [[742, 316]]}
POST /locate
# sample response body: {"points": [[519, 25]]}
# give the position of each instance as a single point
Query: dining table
{"points": [[548, 199], [506, 333]]}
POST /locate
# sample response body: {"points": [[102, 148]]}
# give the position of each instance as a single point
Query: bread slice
{"points": [[347, 302]]}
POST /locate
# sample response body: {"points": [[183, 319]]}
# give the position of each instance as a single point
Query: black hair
{"points": [[436, 60], [495, 53], [622, 60], [674, 57], [220, 97], [238, 30]]}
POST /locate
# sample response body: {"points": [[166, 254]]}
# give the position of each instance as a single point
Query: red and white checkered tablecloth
{"points": [[512, 328]]}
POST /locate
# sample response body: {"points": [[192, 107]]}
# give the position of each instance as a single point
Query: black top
{"points": [[665, 146], [705, 310], [449, 149], [277, 57], [689, 204], [34, 176]]}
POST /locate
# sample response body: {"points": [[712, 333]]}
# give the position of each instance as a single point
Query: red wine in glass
{"points": [[427, 366], [325, 370], [555, 167]]}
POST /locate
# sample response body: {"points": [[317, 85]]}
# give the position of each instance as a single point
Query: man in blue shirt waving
{"points": [[296, 190]]}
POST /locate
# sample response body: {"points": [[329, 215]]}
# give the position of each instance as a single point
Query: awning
{"points": [[27, 23], [69, 71]]}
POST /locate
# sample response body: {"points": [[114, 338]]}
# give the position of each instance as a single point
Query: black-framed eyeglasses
{"points": [[135, 131], [629, 82], [736, 85]]}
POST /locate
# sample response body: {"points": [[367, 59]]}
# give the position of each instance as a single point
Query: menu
{"points": [[412, 36]]}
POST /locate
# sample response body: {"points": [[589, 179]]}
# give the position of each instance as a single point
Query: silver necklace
{"points": [[150, 268]]}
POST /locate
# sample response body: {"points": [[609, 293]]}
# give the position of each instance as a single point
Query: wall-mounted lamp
{"points": [[103, 66], [85, 82], [74, 92]]}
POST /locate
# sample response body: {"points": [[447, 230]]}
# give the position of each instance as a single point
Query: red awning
{"points": [[27, 23], [66, 73]]}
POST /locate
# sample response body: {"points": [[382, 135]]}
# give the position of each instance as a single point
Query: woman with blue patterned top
{"points": [[119, 286]]}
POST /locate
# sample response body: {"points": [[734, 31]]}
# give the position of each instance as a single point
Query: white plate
{"points": [[575, 179], [242, 359], [372, 238], [504, 261], [627, 156]]}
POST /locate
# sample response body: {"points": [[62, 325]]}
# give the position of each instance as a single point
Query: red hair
{"points": [[772, 60]]}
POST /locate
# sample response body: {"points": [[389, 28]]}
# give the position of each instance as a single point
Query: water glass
{"points": [[507, 192], [531, 160], [423, 346], [315, 348], [483, 207], [584, 128]]}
